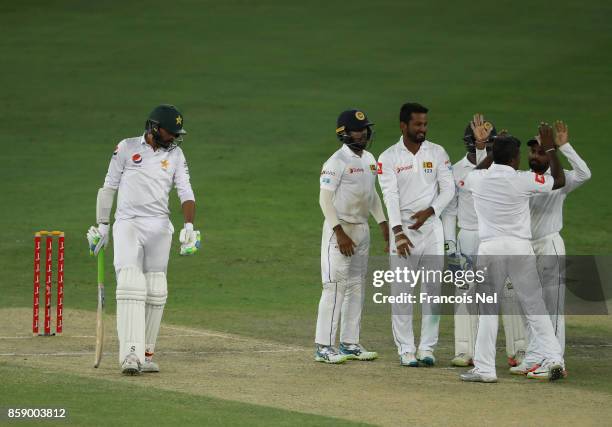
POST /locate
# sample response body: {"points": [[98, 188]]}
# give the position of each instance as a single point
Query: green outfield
{"points": [[260, 85]]}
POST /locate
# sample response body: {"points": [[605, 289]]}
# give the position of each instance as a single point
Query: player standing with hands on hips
{"points": [[144, 169], [417, 184], [347, 197]]}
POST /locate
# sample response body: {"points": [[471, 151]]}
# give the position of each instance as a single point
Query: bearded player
{"points": [[417, 184], [348, 196], [143, 170], [461, 249], [548, 245]]}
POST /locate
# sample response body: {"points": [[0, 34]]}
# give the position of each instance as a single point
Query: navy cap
{"points": [[352, 120]]}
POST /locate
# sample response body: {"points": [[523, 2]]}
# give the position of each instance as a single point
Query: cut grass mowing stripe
{"points": [[97, 402]]}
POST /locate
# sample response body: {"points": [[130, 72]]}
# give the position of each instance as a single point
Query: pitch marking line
{"points": [[86, 353]]}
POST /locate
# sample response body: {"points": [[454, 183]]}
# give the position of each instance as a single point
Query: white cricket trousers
{"points": [[428, 254], [550, 261], [142, 242], [466, 317], [343, 280], [512, 258]]}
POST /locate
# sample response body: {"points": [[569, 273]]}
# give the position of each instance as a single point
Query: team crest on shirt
{"points": [[428, 167], [137, 159], [373, 169], [164, 164], [540, 178]]}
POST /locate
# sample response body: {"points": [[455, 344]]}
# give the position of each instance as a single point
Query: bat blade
{"points": [[100, 311]]}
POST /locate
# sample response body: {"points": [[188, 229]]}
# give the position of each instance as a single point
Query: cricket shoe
{"points": [[131, 365], [356, 352], [517, 358], [473, 376], [328, 354], [549, 371], [149, 365], [462, 360], [408, 359], [524, 368], [426, 357]]}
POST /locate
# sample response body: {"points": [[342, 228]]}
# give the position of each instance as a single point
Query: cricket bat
{"points": [[100, 312]]}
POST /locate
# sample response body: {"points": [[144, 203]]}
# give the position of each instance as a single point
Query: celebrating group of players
{"points": [[509, 222]]}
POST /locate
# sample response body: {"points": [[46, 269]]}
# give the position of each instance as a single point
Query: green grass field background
{"points": [[260, 85]]}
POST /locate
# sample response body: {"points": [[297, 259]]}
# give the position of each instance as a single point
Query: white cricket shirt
{"points": [[462, 205], [547, 209], [144, 178], [501, 199], [352, 179], [413, 182]]}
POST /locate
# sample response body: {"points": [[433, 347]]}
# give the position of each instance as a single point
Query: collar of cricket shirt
{"points": [[350, 152], [425, 145]]}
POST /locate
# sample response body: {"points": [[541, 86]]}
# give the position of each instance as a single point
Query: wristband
{"points": [[399, 233], [401, 242], [551, 149]]}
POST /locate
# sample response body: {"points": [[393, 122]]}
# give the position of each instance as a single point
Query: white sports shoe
{"points": [[328, 354], [149, 365], [131, 365], [408, 359], [550, 371], [356, 352], [473, 376], [524, 368], [462, 360], [426, 357]]}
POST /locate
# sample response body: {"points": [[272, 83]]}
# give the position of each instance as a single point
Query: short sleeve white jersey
{"points": [[413, 182], [501, 200], [353, 180], [144, 178]]}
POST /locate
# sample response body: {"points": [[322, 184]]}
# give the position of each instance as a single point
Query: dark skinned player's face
{"points": [[360, 137], [538, 160], [416, 129]]}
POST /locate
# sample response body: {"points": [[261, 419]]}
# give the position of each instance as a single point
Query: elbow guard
{"points": [[104, 204]]}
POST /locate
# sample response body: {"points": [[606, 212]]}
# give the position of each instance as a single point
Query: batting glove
{"points": [[190, 240], [97, 237]]}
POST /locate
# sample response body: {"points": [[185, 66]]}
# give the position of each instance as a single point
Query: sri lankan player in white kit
{"points": [[143, 170], [501, 199], [347, 197], [548, 245], [417, 184], [461, 249]]}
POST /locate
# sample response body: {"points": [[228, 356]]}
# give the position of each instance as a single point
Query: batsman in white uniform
{"points": [[546, 223], [501, 199], [417, 184], [347, 197], [143, 170], [461, 249]]}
